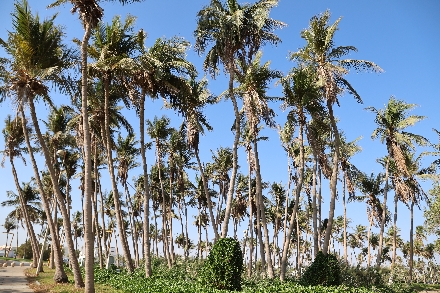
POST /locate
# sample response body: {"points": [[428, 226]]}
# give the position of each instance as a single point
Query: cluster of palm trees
{"points": [[117, 70]]}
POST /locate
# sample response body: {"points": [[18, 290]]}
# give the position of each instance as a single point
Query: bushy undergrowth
{"points": [[224, 266], [325, 270], [181, 278]]}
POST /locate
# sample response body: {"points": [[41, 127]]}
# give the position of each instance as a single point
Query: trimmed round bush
{"points": [[324, 271], [224, 265]]}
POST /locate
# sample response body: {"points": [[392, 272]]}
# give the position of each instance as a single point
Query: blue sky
{"points": [[402, 37]]}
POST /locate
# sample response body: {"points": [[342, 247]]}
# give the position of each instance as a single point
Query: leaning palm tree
{"points": [[321, 53], [14, 140], [230, 31], [392, 122], [9, 225], [37, 56]]}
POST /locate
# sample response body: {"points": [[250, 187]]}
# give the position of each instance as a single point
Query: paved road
{"points": [[13, 280]]}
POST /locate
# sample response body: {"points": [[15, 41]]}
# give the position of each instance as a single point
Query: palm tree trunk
{"points": [[333, 179], [298, 188], [79, 283], [234, 151], [29, 227], [368, 239], [88, 188], [59, 275], [270, 272], [384, 213], [120, 221], [345, 219], [315, 210], [251, 216], [319, 199], [411, 243], [208, 195], [95, 206], [146, 222]]}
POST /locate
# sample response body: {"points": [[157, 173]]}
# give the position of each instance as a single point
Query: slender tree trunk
{"points": [[411, 243], [333, 179], [208, 195], [29, 227], [298, 188], [146, 222], [315, 210], [251, 216], [88, 188], [59, 275], [259, 188], [384, 213], [319, 208], [368, 239], [120, 221], [345, 220], [79, 283], [234, 151], [95, 206]]}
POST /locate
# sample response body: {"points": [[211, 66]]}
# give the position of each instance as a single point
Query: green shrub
{"points": [[324, 271], [224, 265]]}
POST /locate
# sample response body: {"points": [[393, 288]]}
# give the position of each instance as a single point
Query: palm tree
{"points": [[392, 123], [254, 79], [160, 70], [43, 61], [191, 107], [233, 31], [302, 98], [25, 205], [112, 49], [159, 130], [9, 225], [321, 53]]}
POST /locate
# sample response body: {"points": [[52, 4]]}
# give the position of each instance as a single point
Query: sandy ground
{"points": [[13, 280]]}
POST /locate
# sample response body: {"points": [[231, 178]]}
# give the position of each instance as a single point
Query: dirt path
{"points": [[14, 280]]}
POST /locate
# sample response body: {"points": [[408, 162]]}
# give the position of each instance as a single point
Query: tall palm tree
{"points": [[25, 204], [254, 80], [321, 53], [159, 131], [302, 98], [160, 71], [113, 47], [126, 153], [43, 61], [232, 31], [392, 122], [191, 107]]}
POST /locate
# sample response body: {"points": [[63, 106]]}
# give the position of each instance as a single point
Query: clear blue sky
{"points": [[403, 37]]}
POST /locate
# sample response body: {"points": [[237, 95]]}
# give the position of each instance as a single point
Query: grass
{"points": [[426, 287], [16, 259], [47, 284]]}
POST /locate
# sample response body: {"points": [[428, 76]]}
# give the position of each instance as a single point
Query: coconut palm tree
{"points": [[9, 225], [113, 47], [232, 31], [126, 153], [392, 122], [321, 53], [159, 131], [43, 61], [159, 71], [301, 98]]}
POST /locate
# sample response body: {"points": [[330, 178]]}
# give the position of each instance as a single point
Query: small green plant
{"points": [[224, 265], [324, 271]]}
